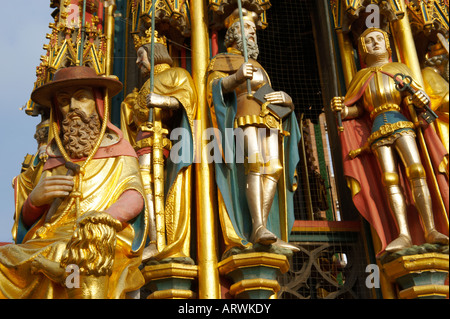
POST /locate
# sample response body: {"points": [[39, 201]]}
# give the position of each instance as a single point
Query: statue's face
{"points": [[375, 43], [80, 123], [142, 61], [250, 31], [76, 98]]}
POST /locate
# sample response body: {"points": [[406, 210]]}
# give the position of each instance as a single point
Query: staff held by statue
{"points": [[244, 44], [158, 155]]}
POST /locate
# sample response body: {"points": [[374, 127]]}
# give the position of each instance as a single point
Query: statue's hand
{"points": [[157, 100], [337, 104], [245, 72], [51, 187], [420, 99], [161, 101], [280, 98]]}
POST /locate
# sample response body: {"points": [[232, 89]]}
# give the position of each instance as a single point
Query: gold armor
{"points": [[392, 137]]}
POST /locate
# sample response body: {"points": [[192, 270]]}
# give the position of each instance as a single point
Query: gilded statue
{"points": [[150, 116], [375, 97], [81, 219], [435, 75], [241, 101]]}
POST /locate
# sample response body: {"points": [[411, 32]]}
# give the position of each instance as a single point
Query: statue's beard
{"points": [[252, 48], [80, 134]]}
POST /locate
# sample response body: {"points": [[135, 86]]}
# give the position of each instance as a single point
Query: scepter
{"points": [[158, 155], [244, 44]]}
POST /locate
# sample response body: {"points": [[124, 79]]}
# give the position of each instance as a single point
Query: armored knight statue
{"points": [[83, 214], [251, 196], [376, 101], [149, 117]]}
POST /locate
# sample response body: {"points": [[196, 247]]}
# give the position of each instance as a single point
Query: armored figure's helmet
{"points": [[362, 49]]}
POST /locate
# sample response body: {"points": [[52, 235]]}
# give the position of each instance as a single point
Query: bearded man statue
{"points": [[255, 189], [85, 211]]}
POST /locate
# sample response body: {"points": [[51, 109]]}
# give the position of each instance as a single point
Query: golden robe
{"points": [[103, 183], [437, 89]]}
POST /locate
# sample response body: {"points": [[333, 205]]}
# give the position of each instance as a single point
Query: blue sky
{"points": [[23, 27]]}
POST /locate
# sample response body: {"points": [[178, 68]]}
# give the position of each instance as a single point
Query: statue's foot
{"points": [[263, 236], [149, 252], [50, 269], [282, 244], [435, 237], [400, 243]]}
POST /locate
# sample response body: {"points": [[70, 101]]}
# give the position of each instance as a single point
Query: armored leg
{"points": [[254, 193], [390, 179], [255, 188], [416, 175], [273, 169]]}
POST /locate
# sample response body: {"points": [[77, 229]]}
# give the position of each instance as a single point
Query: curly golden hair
{"points": [[92, 247]]}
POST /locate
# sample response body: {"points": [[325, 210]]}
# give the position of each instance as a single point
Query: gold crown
{"points": [[246, 15], [147, 39]]}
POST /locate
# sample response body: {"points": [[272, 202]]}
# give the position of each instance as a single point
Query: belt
{"points": [[384, 108], [388, 129], [385, 130]]}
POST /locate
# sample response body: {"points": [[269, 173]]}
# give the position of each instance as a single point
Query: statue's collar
{"points": [[234, 51]]}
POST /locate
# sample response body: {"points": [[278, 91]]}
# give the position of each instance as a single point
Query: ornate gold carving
{"points": [[147, 39], [267, 120], [174, 14], [221, 9], [426, 16], [388, 129], [64, 47], [384, 108]]}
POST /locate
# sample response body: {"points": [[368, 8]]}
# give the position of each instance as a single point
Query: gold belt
{"points": [[268, 120], [384, 108], [388, 129], [385, 130]]}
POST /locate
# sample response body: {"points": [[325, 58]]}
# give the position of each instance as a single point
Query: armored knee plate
{"points": [[390, 179], [415, 171], [273, 169]]}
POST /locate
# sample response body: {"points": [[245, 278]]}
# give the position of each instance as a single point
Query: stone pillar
{"points": [[170, 280], [422, 276], [254, 275]]}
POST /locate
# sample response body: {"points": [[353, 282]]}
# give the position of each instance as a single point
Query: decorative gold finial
{"points": [[147, 39]]}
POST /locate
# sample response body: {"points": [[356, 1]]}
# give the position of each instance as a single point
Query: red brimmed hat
{"points": [[74, 76]]}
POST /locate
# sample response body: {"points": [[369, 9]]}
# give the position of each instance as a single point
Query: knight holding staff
{"points": [[252, 194]]}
